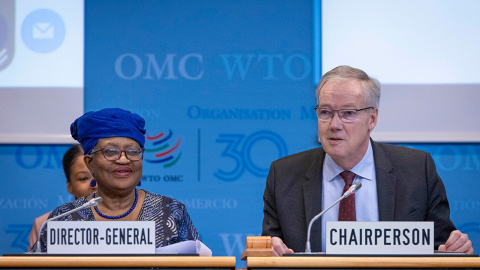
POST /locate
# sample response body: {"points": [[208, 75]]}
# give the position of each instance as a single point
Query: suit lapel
{"points": [[386, 182], [312, 190]]}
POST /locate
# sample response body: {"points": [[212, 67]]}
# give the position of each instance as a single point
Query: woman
{"points": [[78, 183], [113, 140]]}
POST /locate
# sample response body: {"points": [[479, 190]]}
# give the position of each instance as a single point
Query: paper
{"points": [[186, 247]]}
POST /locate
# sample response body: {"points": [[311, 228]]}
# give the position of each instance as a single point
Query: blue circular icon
{"points": [[43, 31], [3, 31]]}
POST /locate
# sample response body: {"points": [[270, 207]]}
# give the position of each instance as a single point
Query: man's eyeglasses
{"points": [[346, 115], [113, 154]]}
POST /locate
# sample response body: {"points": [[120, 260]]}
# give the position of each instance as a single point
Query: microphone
{"points": [[93, 202], [354, 188]]}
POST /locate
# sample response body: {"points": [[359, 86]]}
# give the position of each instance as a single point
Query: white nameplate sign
{"points": [[387, 237], [100, 237]]}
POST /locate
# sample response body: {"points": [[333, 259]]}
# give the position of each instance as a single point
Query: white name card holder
{"points": [[101, 237], [387, 237]]}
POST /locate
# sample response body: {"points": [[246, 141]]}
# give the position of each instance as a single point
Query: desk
{"points": [[325, 262], [116, 262]]}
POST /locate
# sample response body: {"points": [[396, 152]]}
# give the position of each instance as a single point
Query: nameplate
{"points": [[100, 237], [387, 237]]}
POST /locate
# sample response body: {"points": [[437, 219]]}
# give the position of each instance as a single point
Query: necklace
{"points": [[120, 216]]}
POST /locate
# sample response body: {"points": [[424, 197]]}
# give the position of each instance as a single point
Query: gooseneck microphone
{"points": [[93, 202], [354, 188]]}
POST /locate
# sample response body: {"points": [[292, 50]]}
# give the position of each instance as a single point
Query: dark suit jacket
{"points": [[408, 188]]}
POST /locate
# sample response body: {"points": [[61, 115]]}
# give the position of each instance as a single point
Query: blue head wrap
{"points": [[111, 122]]}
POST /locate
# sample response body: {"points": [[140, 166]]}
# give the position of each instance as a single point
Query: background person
{"points": [[78, 183], [398, 183], [113, 140]]}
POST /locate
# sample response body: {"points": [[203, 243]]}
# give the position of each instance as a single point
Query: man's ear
{"points": [[373, 119]]}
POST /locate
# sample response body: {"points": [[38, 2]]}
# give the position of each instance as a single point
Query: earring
{"points": [[93, 183], [139, 184]]}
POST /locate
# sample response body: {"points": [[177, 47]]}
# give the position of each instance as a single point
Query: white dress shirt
{"points": [[366, 202]]}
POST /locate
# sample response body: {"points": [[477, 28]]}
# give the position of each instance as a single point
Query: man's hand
{"points": [[457, 242], [279, 248]]}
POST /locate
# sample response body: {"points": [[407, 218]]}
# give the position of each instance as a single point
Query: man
{"points": [[398, 183]]}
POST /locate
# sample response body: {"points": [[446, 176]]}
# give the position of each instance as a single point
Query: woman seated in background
{"points": [[79, 183], [113, 141]]}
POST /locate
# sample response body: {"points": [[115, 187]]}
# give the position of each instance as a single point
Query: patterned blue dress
{"points": [[172, 222]]}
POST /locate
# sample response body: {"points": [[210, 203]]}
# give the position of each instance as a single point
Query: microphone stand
{"points": [[93, 202], [354, 188]]}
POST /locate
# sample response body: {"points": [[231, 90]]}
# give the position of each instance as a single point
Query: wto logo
{"points": [[250, 153], [162, 151]]}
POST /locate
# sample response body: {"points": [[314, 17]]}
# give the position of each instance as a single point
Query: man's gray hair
{"points": [[371, 87]]}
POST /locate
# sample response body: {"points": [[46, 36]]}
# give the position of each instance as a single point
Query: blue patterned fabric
{"points": [[172, 222], [110, 122]]}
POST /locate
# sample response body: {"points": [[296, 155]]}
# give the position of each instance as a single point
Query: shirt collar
{"points": [[364, 169]]}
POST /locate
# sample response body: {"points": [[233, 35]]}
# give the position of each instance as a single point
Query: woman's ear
{"points": [[69, 187], [88, 161]]}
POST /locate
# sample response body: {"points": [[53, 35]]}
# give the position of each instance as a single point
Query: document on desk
{"points": [[185, 247]]}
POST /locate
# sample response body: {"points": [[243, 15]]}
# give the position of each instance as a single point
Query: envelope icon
{"points": [[43, 30]]}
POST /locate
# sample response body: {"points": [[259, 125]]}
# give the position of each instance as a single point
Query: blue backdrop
{"points": [[225, 88]]}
